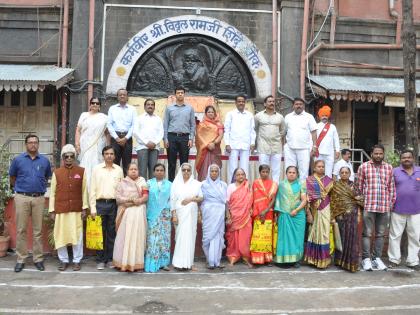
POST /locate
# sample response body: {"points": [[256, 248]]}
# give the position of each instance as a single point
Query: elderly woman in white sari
{"points": [[213, 211], [91, 137], [185, 196]]}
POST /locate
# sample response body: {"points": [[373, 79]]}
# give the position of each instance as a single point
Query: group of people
{"points": [[269, 220]]}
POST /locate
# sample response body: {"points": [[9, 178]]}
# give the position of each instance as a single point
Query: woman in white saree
{"points": [[185, 196], [91, 137]]}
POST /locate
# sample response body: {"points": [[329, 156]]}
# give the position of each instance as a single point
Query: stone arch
{"points": [[189, 28]]}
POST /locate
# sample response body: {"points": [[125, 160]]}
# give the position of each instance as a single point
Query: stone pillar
{"points": [[290, 46]]}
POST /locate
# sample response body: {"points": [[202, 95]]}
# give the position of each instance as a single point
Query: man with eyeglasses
{"points": [[67, 207], [29, 173]]}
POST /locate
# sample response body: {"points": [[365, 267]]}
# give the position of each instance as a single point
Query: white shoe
{"points": [[100, 266], [367, 264], [377, 263]]}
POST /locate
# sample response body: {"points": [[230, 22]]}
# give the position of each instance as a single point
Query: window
{"points": [[15, 99], [2, 94], [49, 96], [31, 98]]}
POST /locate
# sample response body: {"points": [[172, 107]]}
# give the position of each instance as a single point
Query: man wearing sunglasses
{"points": [[67, 208]]}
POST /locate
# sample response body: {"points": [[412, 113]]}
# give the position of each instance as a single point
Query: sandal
{"points": [[62, 266], [76, 267]]}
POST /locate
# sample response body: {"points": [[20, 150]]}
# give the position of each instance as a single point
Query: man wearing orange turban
{"points": [[327, 143]]}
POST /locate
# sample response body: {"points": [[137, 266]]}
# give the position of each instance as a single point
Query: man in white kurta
{"points": [[148, 132], [300, 137], [67, 206], [270, 129], [327, 142], [239, 136]]}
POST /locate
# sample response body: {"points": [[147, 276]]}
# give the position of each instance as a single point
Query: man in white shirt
{"points": [[148, 132], [327, 142], [121, 118], [345, 161], [300, 135], [239, 136], [270, 128]]}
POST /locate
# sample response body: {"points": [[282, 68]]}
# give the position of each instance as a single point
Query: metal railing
{"points": [[358, 157]]}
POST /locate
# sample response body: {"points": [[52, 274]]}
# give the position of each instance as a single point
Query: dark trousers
{"points": [[177, 145], [123, 153], [147, 160], [108, 213]]}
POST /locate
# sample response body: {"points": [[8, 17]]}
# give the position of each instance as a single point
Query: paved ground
{"points": [[265, 290]]}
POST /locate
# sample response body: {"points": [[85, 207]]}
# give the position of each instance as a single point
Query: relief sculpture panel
{"points": [[201, 64]]}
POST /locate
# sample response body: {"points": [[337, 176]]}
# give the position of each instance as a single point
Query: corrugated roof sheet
{"points": [[27, 77], [361, 84]]}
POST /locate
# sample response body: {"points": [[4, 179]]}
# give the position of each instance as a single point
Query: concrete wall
{"points": [[124, 22]]}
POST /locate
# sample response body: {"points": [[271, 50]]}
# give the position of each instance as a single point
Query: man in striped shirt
{"points": [[376, 182]]}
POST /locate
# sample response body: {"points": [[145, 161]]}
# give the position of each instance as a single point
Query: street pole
{"points": [[409, 62]]}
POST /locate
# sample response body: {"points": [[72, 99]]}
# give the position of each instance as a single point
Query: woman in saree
{"points": [[290, 206], [208, 137], [91, 137], [158, 245], [238, 222], [130, 242], [185, 196], [319, 187], [346, 204], [264, 194], [213, 209]]}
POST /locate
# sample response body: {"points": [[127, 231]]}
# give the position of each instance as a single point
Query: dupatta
{"points": [[207, 131]]}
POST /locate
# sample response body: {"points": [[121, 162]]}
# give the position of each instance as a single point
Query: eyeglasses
{"points": [[95, 103], [186, 170], [69, 156]]}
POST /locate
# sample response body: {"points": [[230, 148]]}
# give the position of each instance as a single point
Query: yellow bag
{"points": [[262, 236], [332, 243], [94, 238]]}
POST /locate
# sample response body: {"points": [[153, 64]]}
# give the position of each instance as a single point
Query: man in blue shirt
{"points": [[29, 174], [121, 119]]}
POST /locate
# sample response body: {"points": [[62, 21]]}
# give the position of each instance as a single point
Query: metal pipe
{"points": [[274, 49], [362, 66], [333, 22], [64, 64], [60, 29], [65, 34], [397, 17], [303, 48], [90, 47]]}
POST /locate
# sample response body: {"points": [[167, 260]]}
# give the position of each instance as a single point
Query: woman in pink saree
{"points": [[239, 223]]}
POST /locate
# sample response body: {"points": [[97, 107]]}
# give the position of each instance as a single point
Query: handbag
{"points": [[94, 237]]}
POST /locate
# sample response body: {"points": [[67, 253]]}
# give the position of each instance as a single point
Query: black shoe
{"points": [[40, 266], [415, 268], [19, 267]]}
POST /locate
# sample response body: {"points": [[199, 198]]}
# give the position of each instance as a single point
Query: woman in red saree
{"points": [[264, 194], [208, 137], [239, 223]]}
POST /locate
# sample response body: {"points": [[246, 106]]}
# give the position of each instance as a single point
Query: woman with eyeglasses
{"points": [[238, 219], [185, 196], [130, 243], [91, 136]]}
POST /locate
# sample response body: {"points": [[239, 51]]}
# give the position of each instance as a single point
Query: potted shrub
{"points": [[5, 194]]}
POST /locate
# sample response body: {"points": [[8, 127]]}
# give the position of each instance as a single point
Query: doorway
{"points": [[365, 125]]}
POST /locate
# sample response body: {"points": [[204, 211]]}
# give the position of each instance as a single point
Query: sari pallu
{"points": [[291, 230], [238, 232], [130, 242], [262, 233], [317, 250], [344, 209], [207, 131], [158, 243]]}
